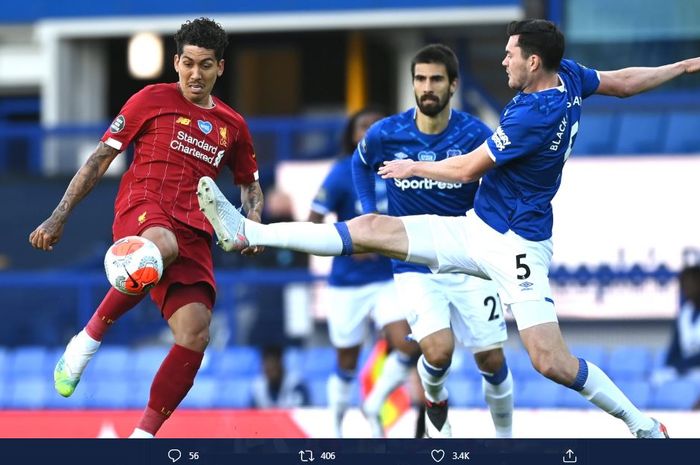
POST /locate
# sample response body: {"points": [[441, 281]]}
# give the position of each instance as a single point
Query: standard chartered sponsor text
{"points": [[182, 136], [424, 183]]}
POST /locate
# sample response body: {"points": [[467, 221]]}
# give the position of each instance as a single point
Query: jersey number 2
{"points": [[491, 300]]}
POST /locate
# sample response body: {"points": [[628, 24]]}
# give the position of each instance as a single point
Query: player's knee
{"points": [[490, 361], [362, 227], [166, 242], [196, 338], [347, 358], [438, 356]]}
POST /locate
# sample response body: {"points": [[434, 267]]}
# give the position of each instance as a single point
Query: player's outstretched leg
{"points": [[226, 220], [385, 235], [70, 366]]}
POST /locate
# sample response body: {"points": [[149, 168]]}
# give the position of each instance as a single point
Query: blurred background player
{"points": [[360, 288], [508, 235], [180, 132], [276, 387], [683, 357], [441, 307]]}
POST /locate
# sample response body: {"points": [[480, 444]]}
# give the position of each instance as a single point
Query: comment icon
{"points": [[174, 455]]}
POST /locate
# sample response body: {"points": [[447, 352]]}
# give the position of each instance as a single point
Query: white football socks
{"points": [[600, 390], [499, 398], [316, 239], [140, 434], [433, 384]]}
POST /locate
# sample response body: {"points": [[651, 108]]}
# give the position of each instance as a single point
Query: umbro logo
{"points": [[400, 156]]}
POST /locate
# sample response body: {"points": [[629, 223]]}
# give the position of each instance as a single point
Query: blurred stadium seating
{"points": [[119, 377]]}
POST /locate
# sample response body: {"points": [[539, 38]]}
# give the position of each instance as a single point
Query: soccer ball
{"points": [[133, 265]]}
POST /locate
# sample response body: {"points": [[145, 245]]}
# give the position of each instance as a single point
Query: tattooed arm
{"points": [[252, 202], [49, 232]]}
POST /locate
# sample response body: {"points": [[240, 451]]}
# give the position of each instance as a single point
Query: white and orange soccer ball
{"points": [[133, 265]]}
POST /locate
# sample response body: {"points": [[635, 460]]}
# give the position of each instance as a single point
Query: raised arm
{"points": [[462, 168], [49, 232], [626, 82]]}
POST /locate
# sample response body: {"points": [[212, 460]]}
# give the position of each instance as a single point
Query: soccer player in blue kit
{"points": [[361, 287], [440, 307], [507, 237]]}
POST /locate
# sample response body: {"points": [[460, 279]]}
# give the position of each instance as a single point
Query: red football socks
{"points": [[114, 305], [171, 384]]}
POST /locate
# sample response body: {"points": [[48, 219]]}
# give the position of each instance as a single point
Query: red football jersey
{"points": [[175, 143]]}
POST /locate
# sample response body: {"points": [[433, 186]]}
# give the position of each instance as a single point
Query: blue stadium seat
{"points": [[678, 394], [592, 353], [568, 398], [110, 394], [520, 365], [319, 362], [641, 133], [140, 391], [537, 393], [27, 361], [111, 362], [202, 394], [318, 392], [639, 392], [3, 362], [683, 133], [597, 134], [239, 361], [629, 363], [234, 393], [4, 393], [293, 359], [464, 392], [210, 362], [146, 361], [658, 359], [29, 392]]}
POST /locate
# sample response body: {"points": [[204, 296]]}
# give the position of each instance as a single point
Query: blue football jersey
{"points": [[530, 146], [397, 137], [337, 195]]}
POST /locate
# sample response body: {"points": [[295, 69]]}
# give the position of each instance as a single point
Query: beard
{"points": [[431, 105]]}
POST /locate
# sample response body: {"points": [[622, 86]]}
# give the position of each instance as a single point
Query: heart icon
{"points": [[437, 454]]}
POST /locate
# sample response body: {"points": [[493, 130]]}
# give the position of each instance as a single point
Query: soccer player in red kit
{"points": [[180, 133]]}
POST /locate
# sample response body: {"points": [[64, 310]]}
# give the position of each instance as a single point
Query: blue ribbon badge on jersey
{"points": [[204, 126], [426, 156]]}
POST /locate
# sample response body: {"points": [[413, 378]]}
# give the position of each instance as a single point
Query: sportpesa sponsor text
{"points": [[423, 183]]}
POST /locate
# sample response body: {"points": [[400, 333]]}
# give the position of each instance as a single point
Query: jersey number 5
{"points": [[522, 266]]}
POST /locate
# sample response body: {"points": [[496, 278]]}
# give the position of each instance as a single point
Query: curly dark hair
{"points": [[202, 32], [348, 142]]}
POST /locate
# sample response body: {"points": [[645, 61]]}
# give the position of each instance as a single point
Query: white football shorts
{"points": [[352, 306], [468, 304], [465, 244]]}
